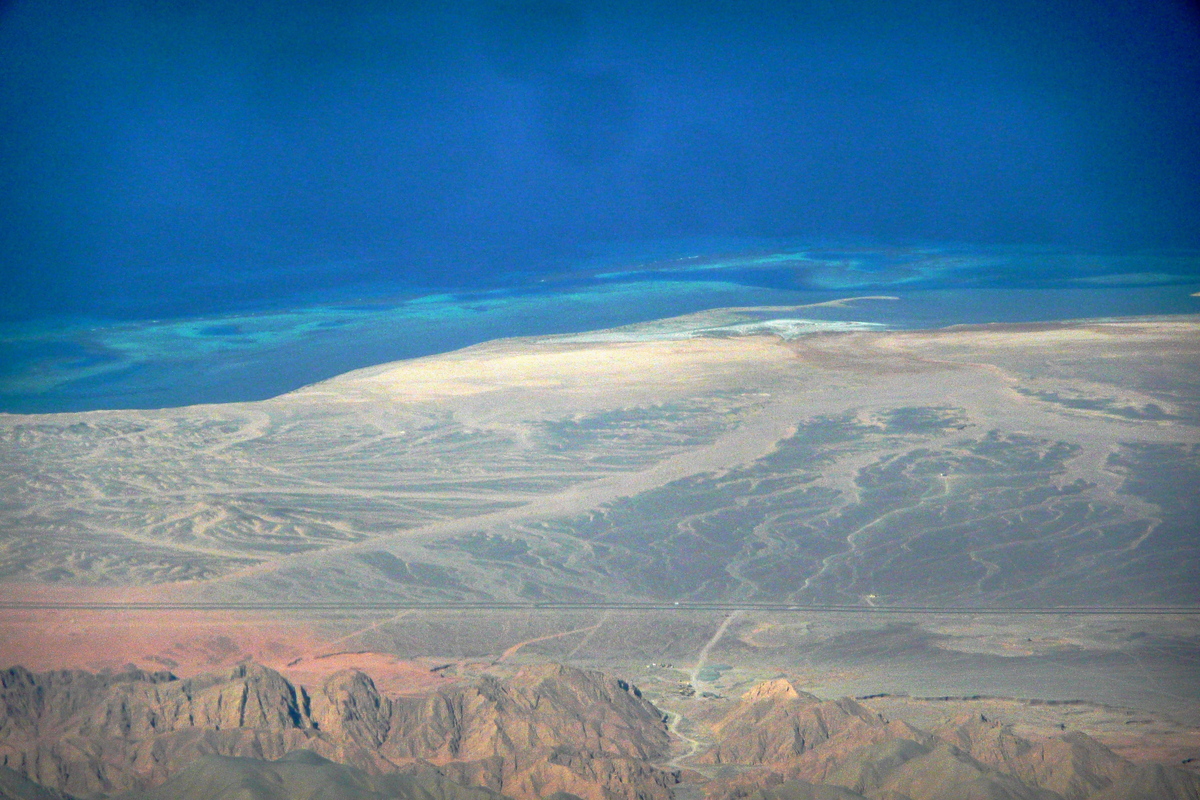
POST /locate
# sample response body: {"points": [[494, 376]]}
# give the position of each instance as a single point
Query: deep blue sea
{"points": [[255, 350]]}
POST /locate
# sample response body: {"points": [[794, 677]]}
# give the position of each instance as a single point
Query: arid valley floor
{"points": [[987, 535]]}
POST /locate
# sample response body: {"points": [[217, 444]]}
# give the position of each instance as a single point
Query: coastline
{"points": [[81, 363]]}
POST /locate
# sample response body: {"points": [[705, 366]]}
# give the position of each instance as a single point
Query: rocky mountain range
{"points": [[542, 730], [545, 730], [789, 743]]}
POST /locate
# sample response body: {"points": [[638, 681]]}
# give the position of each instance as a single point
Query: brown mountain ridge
{"points": [[545, 730]]}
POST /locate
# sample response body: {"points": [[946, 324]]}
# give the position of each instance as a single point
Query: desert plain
{"points": [[996, 522]]}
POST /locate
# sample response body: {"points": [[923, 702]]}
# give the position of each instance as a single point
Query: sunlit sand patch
{"points": [[1007, 648], [773, 634], [559, 365], [1040, 336]]}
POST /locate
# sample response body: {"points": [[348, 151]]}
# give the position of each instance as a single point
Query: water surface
{"points": [[251, 353]]}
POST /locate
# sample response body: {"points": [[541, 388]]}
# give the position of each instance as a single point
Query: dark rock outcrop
{"points": [[15, 786]]}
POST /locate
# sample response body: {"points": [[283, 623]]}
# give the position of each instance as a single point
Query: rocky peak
{"points": [[776, 690], [774, 723], [249, 696], [348, 704], [538, 708]]}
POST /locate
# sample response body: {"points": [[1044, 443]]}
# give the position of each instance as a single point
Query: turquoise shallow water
{"points": [[72, 364]]}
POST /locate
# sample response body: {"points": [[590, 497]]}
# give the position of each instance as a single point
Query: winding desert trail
{"points": [[676, 720], [708, 646], [512, 651]]}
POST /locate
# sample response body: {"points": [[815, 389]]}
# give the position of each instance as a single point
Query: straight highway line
{"points": [[508, 606]]}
